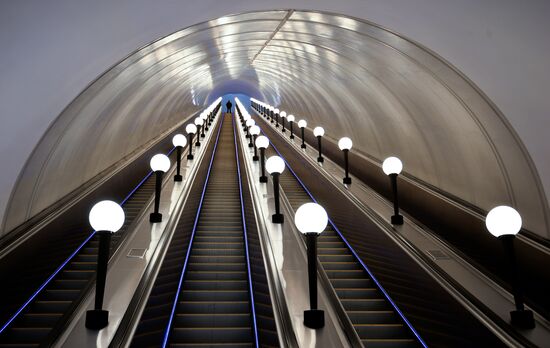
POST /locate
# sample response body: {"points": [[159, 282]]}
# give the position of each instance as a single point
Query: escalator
{"points": [[40, 317], [44, 317], [357, 258], [203, 295]]}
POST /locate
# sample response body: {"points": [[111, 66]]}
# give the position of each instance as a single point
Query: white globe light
{"points": [[250, 122], [254, 130], [106, 216], [246, 117], [345, 143], [302, 123], [199, 121], [503, 220], [392, 165], [204, 116], [283, 114], [275, 164], [179, 140], [262, 142], [311, 218], [318, 131], [290, 118], [191, 129], [160, 162]]}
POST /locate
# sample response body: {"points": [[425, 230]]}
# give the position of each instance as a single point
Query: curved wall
{"points": [[355, 78]]}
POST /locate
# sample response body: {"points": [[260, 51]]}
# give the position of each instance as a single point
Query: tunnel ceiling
{"points": [[356, 79]]}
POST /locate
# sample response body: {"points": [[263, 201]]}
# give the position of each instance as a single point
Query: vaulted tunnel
{"points": [[355, 78]]}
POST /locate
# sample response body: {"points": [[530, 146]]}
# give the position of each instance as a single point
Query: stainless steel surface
{"points": [[389, 94]]}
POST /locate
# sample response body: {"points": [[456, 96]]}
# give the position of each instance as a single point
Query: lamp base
{"points": [[278, 218], [347, 181], [523, 319], [247, 136], [197, 144], [97, 319], [255, 158], [263, 178], [202, 135], [284, 130], [276, 126], [155, 217], [320, 159], [250, 145], [178, 177], [189, 157], [397, 220], [303, 146], [292, 137], [314, 318]]}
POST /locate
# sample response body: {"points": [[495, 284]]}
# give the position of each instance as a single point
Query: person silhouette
{"points": [[228, 106]]}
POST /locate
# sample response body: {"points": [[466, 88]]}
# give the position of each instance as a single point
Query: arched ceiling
{"points": [[389, 94]]}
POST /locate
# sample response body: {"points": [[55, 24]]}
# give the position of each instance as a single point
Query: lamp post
{"points": [[276, 111], [275, 166], [311, 220], [106, 218], [246, 117], [504, 223], [272, 114], [392, 166], [319, 132], [179, 142], [262, 143], [254, 131], [198, 123], [290, 119], [190, 129], [249, 123], [283, 117], [159, 164], [345, 145], [204, 117], [302, 124]]}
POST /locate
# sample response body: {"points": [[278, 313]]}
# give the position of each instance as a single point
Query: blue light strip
{"points": [[37, 292], [251, 290], [184, 268], [394, 305]]}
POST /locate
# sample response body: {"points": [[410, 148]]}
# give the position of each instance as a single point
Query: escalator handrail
{"points": [[195, 223], [245, 233], [64, 263], [379, 286]]}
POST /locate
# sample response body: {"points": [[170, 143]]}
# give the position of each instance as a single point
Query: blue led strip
{"points": [[251, 291], [394, 305], [184, 268], [33, 296]]}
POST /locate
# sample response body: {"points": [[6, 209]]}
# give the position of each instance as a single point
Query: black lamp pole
{"points": [[314, 318], [251, 142], [156, 216], [276, 120], [291, 130], [320, 159], [347, 179], [178, 176], [396, 218], [277, 218], [202, 129], [303, 146], [190, 146], [198, 142], [272, 116], [520, 317], [284, 129], [263, 178], [98, 318], [255, 157]]}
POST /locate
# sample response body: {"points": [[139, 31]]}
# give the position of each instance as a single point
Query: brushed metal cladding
{"points": [[389, 94]]}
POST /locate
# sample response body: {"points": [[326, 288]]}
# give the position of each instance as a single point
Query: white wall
{"points": [[51, 50]]}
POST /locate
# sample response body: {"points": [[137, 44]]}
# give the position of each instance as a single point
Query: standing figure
{"points": [[228, 106]]}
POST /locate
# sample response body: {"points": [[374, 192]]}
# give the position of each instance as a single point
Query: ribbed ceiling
{"points": [[356, 79]]}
